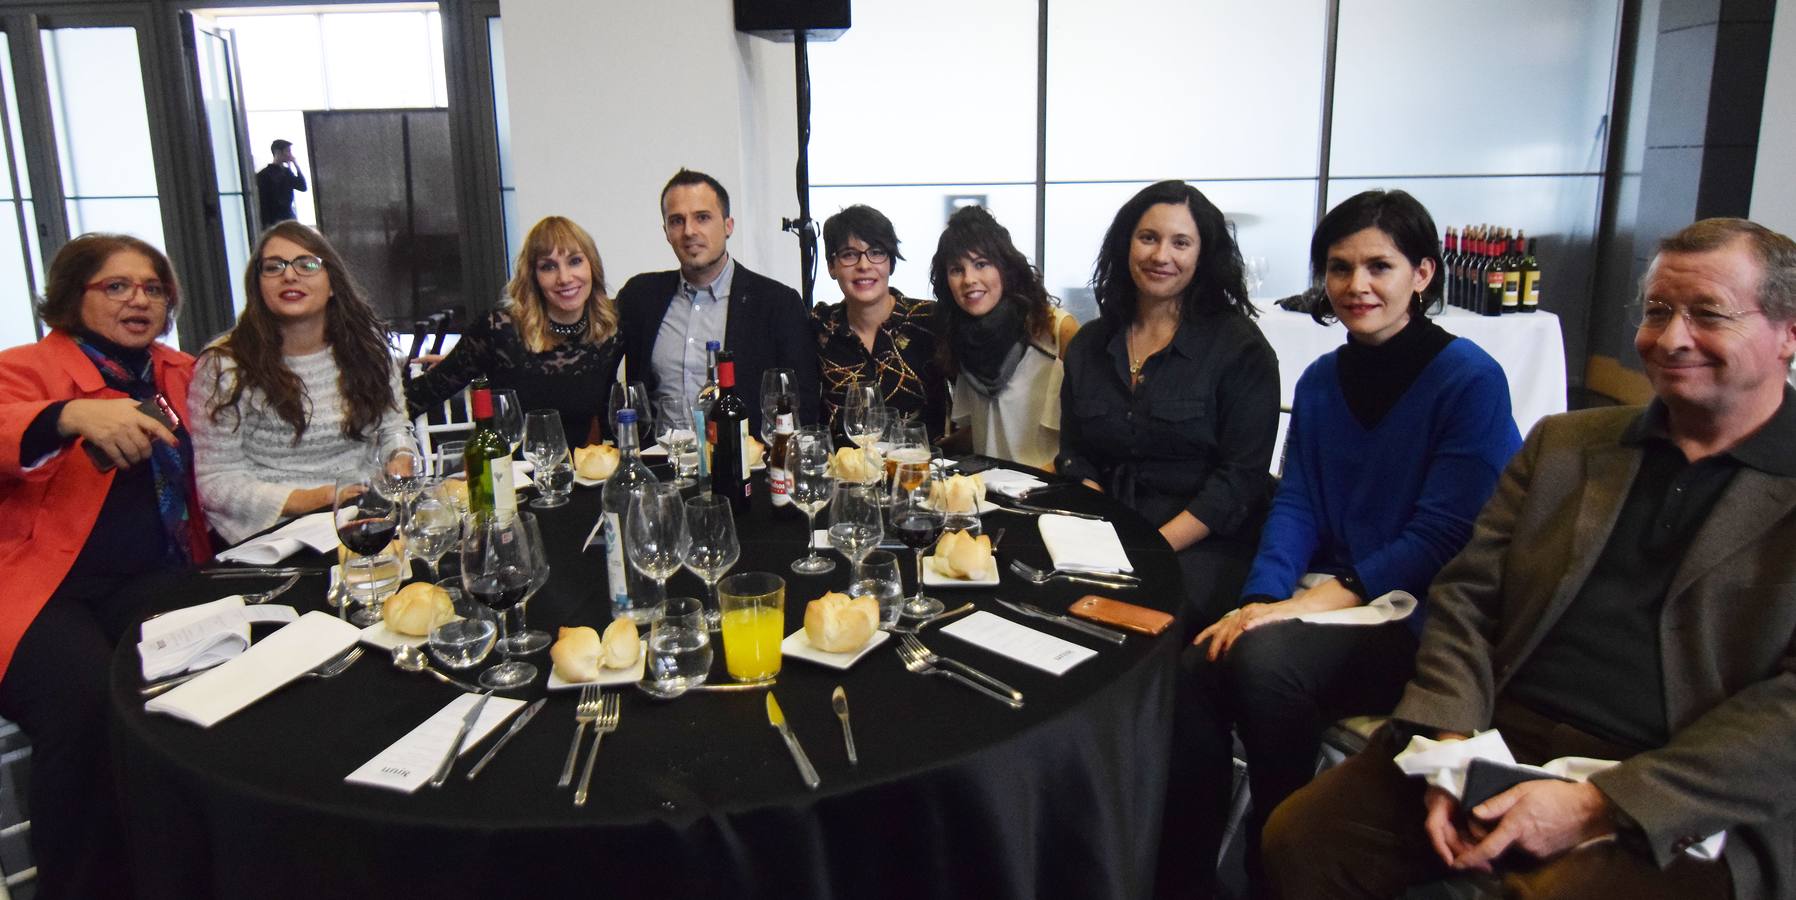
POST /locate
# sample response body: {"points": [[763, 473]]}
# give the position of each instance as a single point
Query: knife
{"points": [[838, 700], [262, 572], [516, 726], [1029, 609], [1032, 509], [777, 719], [467, 722]]}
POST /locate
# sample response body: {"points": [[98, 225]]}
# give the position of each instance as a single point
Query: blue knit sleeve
{"points": [[1293, 530], [1470, 436]]}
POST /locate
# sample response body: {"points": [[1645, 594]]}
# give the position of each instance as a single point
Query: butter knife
{"points": [[516, 726], [777, 719], [839, 702], [1032, 509], [1030, 609], [467, 723], [262, 571]]}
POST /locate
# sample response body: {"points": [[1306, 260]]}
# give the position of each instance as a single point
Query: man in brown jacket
{"points": [[1629, 593]]}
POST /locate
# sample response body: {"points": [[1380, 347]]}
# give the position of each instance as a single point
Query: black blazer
{"points": [[768, 328]]}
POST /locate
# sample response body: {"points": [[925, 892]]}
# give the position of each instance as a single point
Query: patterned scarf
{"points": [[169, 465]]}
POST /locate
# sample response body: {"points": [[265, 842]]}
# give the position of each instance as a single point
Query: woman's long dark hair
{"points": [[1217, 284], [355, 335], [973, 231]]}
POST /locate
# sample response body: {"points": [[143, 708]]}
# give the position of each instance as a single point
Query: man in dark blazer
{"points": [[763, 323], [1629, 593]]}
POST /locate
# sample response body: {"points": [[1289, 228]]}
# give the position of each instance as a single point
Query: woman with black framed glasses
{"points": [[876, 335], [86, 538], [288, 398]]}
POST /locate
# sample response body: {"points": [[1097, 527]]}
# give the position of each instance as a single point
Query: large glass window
{"points": [[508, 186], [21, 276]]}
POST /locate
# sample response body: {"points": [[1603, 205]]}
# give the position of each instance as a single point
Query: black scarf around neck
{"points": [[989, 348]]}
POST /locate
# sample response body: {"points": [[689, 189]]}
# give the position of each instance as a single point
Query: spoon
{"points": [[411, 659], [660, 692]]}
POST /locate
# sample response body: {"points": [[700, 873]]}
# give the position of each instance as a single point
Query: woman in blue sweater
{"points": [[1396, 442]]}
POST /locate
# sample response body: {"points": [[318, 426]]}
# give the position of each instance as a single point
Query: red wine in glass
{"points": [[917, 530], [367, 536], [500, 589]]}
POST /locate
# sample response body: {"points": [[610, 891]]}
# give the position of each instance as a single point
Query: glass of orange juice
{"points": [[754, 623]]}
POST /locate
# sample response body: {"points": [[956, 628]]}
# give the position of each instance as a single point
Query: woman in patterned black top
{"points": [[554, 341], [875, 334]]}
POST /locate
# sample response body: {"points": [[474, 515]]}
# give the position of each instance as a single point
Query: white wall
{"points": [[609, 98], [1774, 179]]}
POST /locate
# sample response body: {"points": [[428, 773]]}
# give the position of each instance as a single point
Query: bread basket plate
{"points": [[934, 579], [985, 506], [379, 635], [797, 645], [607, 677]]}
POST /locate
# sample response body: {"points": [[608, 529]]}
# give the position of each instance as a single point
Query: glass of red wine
{"points": [[367, 520], [916, 522], [497, 558]]}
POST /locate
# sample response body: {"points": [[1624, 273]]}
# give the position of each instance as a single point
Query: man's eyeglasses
{"points": [[1656, 316], [848, 256], [275, 267], [119, 290]]}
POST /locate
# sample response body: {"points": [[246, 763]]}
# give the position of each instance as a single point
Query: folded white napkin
{"points": [[265, 666], [1444, 764], [409, 762], [200, 637], [316, 531], [1010, 482], [1392, 607], [1083, 545]]}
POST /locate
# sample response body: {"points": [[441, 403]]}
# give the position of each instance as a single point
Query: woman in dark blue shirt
{"points": [[1170, 401]]}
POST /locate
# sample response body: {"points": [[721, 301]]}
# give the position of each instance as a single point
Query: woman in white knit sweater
{"points": [[288, 399]]}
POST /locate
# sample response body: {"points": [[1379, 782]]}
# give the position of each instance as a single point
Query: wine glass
{"points": [[452, 458], [712, 547], [1254, 274], [523, 639], [508, 417], [778, 387], [865, 425], [655, 536], [918, 523], [674, 431], [496, 557], [859, 395], [433, 526], [546, 447], [399, 461], [366, 521], [631, 396], [854, 522], [807, 460]]}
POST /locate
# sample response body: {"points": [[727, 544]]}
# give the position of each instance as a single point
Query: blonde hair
{"points": [[528, 306]]}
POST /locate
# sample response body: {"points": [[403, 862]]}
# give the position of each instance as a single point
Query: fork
{"points": [[606, 723], [1101, 579], [330, 668], [584, 713], [918, 658]]}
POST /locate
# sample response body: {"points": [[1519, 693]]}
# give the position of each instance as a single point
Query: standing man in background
{"points": [[276, 183]]}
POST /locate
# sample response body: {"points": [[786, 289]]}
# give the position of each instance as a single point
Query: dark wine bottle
{"points": [[487, 459], [1512, 275], [1449, 262], [702, 406], [1530, 279], [729, 457]]}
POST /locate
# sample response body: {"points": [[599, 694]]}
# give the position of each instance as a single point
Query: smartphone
{"points": [[1127, 616], [1485, 779], [156, 408]]}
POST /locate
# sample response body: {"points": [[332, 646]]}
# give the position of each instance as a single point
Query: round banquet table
{"points": [[955, 795]]}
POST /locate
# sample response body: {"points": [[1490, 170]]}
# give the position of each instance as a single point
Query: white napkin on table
{"points": [[1010, 482], [258, 671], [317, 531], [1083, 545], [202, 636]]}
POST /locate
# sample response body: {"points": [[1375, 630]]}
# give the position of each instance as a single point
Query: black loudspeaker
{"points": [[820, 20]]}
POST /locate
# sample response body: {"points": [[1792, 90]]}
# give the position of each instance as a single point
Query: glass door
{"points": [[214, 60], [21, 273]]}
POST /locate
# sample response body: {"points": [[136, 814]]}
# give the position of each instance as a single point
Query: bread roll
{"points": [[757, 451], [576, 654], [957, 494], [964, 556], [596, 462], [853, 464], [622, 644], [834, 623], [417, 608]]}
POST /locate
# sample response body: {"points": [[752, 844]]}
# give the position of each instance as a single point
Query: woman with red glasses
{"points": [[97, 512]]}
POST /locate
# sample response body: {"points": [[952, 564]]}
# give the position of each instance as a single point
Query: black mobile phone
{"points": [[155, 409], [1485, 779]]}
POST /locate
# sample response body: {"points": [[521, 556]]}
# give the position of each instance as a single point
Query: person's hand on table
{"points": [[116, 427]]}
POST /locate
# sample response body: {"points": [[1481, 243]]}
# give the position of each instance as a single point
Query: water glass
{"points": [[451, 458], [680, 654], [462, 640], [712, 547], [754, 624], [807, 459], [879, 577], [855, 521], [545, 446], [674, 431]]}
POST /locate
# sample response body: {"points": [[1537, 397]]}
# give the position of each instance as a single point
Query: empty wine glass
{"points": [[807, 460], [712, 547], [545, 446], [366, 521], [918, 523], [452, 458], [655, 535], [859, 395], [508, 417], [866, 425], [399, 461], [433, 526], [855, 525], [496, 557], [631, 396], [674, 431], [779, 387], [523, 639]]}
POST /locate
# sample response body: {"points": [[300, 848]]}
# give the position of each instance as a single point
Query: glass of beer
{"points": [[754, 623]]}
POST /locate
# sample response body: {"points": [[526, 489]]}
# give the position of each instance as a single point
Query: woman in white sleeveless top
{"points": [[1000, 339]]}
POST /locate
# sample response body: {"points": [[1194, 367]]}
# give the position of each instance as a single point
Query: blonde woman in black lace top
{"points": [[554, 341]]}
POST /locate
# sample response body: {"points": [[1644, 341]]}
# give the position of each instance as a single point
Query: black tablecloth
{"points": [[955, 795]]}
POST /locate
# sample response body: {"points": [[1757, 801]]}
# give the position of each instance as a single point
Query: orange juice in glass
{"points": [[754, 623]]}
